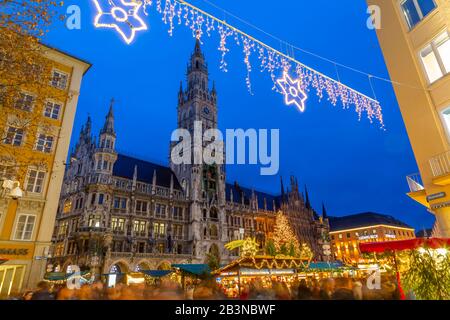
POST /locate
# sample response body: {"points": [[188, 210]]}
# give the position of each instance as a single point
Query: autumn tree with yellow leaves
{"points": [[25, 82]]}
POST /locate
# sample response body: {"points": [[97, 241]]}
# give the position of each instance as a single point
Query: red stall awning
{"points": [[409, 244], [2, 260]]}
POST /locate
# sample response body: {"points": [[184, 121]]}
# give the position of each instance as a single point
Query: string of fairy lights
{"points": [[290, 77]]}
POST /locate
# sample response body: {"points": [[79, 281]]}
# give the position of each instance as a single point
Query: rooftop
{"points": [[365, 219]]}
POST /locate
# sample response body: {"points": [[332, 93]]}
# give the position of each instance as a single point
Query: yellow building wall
{"points": [[347, 248], [44, 205], [420, 102]]}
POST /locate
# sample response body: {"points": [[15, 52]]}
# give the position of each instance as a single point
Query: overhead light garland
{"points": [[297, 79], [123, 17]]}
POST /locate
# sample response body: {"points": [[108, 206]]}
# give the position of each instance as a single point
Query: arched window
{"points": [[67, 206], [213, 214], [214, 234], [115, 269]]}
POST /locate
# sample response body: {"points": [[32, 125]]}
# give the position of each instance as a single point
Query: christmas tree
{"points": [[284, 238]]}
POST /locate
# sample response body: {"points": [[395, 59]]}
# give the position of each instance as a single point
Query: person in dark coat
{"points": [[43, 292], [304, 293], [344, 290]]}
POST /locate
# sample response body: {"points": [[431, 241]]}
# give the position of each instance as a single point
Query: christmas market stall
{"points": [[266, 269], [154, 277], [278, 262], [422, 265], [60, 278], [191, 273]]}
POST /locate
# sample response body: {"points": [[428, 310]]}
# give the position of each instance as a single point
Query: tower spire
{"points": [[307, 203], [108, 127], [282, 189], [324, 212]]}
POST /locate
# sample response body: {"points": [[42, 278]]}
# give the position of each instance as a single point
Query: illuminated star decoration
{"points": [[124, 17], [293, 93]]}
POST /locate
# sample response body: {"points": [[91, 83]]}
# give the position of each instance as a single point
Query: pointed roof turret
{"points": [[198, 47], [108, 127], [307, 203], [324, 212]]}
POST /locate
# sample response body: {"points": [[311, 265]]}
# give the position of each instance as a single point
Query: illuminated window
{"points": [[94, 221], [63, 228], [214, 234], [118, 224], [24, 227], [67, 206], [436, 57], [159, 229], [416, 10]]}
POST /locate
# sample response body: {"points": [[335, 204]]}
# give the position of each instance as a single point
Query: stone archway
{"points": [[165, 265], [142, 265], [119, 266]]}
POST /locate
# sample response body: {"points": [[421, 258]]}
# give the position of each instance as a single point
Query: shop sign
{"points": [[14, 251]]}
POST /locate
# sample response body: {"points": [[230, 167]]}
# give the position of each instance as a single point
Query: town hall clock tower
{"points": [[203, 183]]}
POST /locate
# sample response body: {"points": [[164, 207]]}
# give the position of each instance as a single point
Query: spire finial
{"points": [[324, 211], [307, 203]]}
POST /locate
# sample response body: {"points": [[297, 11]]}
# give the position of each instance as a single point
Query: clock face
{"points": [[205, 110]]}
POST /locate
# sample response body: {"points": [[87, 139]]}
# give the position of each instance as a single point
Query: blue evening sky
{"points": [[351, 166]]}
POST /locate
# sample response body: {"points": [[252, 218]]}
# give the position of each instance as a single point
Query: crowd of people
{"points": [[305, 289]]}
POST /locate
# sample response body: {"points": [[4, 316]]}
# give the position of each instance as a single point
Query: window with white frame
{"points": [[14, 136], [436, 57], [25, 101], [24, 227], [44, 143], [59, 79], [52, 110], [416, 10], [445, 116], [35, 181]]}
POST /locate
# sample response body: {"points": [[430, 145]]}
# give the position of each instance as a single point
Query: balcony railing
{"points": [[415, 182], [440, 164]]}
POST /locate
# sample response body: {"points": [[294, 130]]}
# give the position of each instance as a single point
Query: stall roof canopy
{"points": [[3, 260], [157, 273], [196, 269], [266, 262], [325, 265], [57, 276], [433, 243]]}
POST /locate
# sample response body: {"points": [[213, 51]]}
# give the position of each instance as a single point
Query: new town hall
{"points": [[121, 213]]}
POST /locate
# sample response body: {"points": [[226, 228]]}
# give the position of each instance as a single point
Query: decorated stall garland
{"points": [[422, 265]]}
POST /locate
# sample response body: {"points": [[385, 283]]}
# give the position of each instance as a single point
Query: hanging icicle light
{"points": [[272, 61]]}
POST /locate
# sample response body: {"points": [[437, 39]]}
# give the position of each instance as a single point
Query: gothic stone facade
{"points": [[121, 212]]}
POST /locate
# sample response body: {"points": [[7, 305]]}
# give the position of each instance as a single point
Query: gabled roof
{"points": [[365, 219], [124, 168], [239, 191], [425, 233]]}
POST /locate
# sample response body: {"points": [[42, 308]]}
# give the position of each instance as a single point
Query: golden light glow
{"points": [[122, 18], [293, 93]]}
